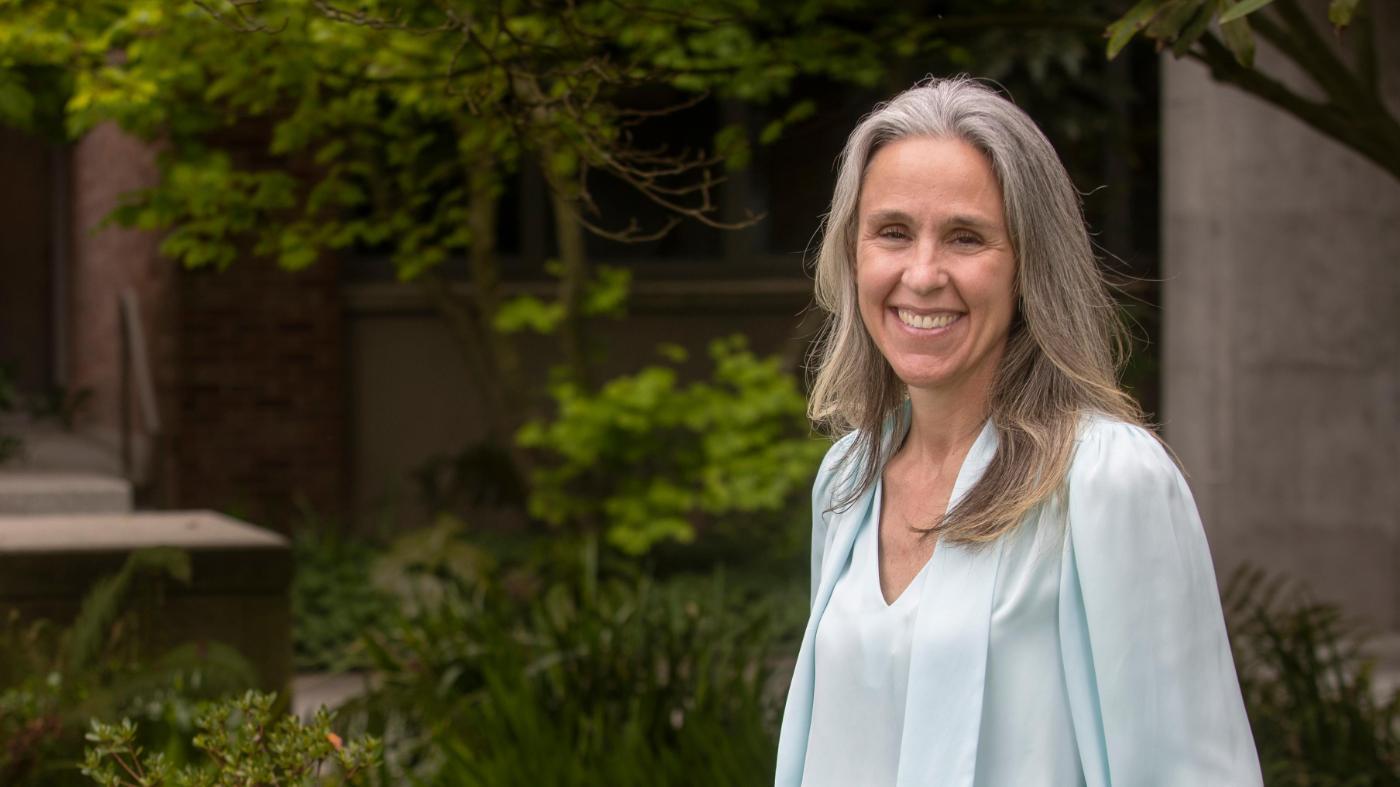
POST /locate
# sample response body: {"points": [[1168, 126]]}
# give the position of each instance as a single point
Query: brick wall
{"points": [[261, 395], [248, 363]]}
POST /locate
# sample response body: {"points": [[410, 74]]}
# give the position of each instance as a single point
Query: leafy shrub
{"points": [[243, 742], [1315, 713], [332, 604], [503, 675], [644, 458], [54, 680]]}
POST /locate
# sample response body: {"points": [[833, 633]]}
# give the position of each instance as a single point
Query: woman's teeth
{"points": [[926, 320]]}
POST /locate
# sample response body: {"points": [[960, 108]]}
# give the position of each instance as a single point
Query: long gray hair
{"points": [[1066, 336]]}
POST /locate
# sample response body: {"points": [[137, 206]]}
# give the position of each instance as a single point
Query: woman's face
{"points": [[935, 271]]}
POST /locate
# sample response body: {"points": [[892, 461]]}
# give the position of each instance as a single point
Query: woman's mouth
{"points": [[927, 321]]}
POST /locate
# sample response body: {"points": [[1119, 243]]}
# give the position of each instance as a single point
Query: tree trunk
{"points": [[573, 280], [471, 320]]}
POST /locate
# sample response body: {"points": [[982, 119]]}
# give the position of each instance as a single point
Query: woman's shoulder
{"points": [[1111, 453]]}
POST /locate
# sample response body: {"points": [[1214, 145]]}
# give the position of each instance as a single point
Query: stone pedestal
{"points": [[238, 594]]}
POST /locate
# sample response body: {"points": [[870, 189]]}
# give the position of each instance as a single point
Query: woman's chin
{"points": [[925, 379]]}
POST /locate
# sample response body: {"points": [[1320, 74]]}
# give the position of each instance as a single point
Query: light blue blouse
{"points": [[1085, 647]]}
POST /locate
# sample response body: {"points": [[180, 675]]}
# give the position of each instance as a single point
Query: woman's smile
{"points": [[926, 324]]}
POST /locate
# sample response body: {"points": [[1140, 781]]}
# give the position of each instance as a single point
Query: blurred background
{"points": [[443, 362]]}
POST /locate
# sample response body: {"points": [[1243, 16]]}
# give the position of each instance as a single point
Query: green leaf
{"points": [[800, 111], [673, 352], [528, 313], [1240, 40], [606, 293], [1122, 31], [732, 144], [1341, 12], [1167, 24], [1193, 30], [16, 103], [1242, 9], [771, 132]]}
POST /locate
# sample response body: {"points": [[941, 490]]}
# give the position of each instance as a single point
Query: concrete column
{"points": [[1281, 299]]}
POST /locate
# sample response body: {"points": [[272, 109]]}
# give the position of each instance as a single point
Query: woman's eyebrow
{"points": [[896, 216], [971, 222], [889, 216]]}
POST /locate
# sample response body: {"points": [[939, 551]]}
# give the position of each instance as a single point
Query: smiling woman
{"points": [[935, 271], [1010, 582]]}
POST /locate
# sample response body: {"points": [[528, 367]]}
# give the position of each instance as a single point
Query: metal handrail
{"points": [[136, 372]]}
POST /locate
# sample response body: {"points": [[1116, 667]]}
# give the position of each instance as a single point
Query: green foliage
{"points": [[386, 113], [53, 681], [528, 671], [1345, 103], [1316, 715], [646, 685], [243, 742], [332, 604], [645, 457], [1180, 24], [605, 295], [423, 565]]}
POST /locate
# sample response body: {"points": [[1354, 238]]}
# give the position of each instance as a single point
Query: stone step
{"points": [[47, 447], [24, 492]]}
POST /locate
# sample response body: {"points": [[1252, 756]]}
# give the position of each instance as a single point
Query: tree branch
{"points": [[1378, 139]]}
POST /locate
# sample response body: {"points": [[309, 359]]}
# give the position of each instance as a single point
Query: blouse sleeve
{"points": [[1153, 692]]}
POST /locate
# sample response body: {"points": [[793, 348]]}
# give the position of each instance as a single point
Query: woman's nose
{"points": [[927, 270]]}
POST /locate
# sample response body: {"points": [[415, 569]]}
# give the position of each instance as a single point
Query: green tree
{"points": [[298, 129], [1220, 34]]}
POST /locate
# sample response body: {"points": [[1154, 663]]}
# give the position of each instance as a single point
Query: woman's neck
{"points": [[944, 422]]}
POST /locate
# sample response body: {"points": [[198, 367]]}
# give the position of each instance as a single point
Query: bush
{"points": [[535, 672], [1316, 718], [243, 743], [644, 459], [54, 680], [332, 604]]}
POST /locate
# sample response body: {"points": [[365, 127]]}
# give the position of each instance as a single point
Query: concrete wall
{"points": [[1281, 376]]}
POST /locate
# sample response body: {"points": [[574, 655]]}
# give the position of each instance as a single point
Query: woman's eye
{"points": [[965, 239], [893, 233]]}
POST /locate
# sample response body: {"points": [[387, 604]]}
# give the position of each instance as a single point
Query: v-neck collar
{"points": [[903, 422], [875, 523]]}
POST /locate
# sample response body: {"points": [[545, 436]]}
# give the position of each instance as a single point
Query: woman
{"points": [[1010, 583]]}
